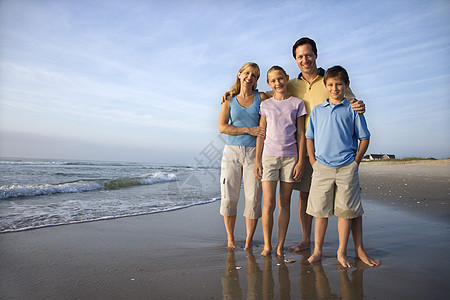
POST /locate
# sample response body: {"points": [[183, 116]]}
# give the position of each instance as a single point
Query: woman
{"points": [[239, 118]]}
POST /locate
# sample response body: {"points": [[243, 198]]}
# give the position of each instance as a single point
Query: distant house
{"points": [[379, 156]]}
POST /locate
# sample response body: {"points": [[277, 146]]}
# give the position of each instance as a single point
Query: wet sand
{"points": [[183, 255]]}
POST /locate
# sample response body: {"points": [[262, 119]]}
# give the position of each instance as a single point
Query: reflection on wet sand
{"points": [[231, 288], [254, 278], [313, 282], [352, 288], [283, 279]]}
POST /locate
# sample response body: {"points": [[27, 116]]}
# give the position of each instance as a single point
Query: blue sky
{"points": [[142, 80]]}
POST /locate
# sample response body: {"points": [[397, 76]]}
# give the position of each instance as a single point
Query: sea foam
{"points": [[84, 185]]}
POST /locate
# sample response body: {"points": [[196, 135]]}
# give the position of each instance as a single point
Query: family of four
{"points": [[309, 137]]}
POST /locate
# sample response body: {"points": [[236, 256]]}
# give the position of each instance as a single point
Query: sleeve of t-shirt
{"points": [[310, 130], [361, 129], [301, 111], [262, 109]]}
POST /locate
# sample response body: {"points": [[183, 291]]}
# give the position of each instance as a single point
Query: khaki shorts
{"points": [[335, 192], [238, 163], [304, 184], [278, 168]]}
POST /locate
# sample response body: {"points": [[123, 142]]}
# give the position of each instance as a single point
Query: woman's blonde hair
{"points": [[236, 88]]}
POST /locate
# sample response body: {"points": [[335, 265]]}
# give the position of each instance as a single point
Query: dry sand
{"points": [[421, 187], [183, 255]]}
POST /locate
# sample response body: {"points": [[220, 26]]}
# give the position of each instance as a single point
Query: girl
{"points": [[281, 155]]}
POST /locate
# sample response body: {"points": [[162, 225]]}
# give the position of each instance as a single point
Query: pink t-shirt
{"points": [[281, 117]]}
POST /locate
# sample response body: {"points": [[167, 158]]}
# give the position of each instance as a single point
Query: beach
{"points": [[182, 254]]}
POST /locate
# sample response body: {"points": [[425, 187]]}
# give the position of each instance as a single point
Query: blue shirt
{"points": [[336, 130], [244, 117]]}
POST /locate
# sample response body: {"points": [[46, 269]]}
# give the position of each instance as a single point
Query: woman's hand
{"points": [[257, 131]]}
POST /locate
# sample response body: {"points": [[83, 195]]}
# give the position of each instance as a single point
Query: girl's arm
{"points": [[363, 145], [301, 146], [226, 128], [259, 149]]}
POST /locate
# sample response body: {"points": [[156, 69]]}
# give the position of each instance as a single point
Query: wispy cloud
{"points": [[150, 73]]}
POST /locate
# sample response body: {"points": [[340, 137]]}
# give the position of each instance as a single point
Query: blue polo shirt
{"points": [[336, 130]]}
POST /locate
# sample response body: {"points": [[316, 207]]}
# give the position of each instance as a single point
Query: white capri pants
{"points": [[238, 163]]}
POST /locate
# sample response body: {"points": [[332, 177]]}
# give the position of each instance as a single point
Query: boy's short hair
{"points": [[304, 41], [275, 68], [336, 71]]}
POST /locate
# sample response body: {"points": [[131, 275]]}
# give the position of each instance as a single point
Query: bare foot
{"points": [[248, 245], [343, 259], [280, 251], [301, 246], [266, 251], [315, 257], [360, 265], [231, 245], [364, 257]]}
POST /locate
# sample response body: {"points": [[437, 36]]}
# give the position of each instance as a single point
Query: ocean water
{"points": [[37, 193]]}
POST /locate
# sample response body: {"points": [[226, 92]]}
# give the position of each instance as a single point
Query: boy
{"points": [[281, 155], [332, 141]]}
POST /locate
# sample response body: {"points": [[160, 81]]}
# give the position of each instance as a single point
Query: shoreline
{"points": [[215, 199], [182, 253]]}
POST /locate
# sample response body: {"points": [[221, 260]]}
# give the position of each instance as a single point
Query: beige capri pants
{"points": [[238, 163]]}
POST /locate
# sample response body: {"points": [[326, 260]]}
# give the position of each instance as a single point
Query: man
{"points": [[309, 87]]}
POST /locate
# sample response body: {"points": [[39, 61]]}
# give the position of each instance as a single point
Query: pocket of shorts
{"points": [[222, 185]]}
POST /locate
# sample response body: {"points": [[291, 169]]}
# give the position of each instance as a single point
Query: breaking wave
{"points": [[83, 185]]}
